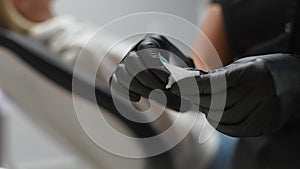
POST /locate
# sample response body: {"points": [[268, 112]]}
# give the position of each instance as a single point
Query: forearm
{"points": [[214, 35]]}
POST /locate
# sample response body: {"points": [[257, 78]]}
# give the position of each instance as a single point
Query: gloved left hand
{"points": [[142, 71]]}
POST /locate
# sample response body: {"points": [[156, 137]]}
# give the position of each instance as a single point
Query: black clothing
{"points": [[257, 27]]}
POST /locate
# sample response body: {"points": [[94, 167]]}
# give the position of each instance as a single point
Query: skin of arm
{"points": [[34, 10], [21, 15], [213, 28]]}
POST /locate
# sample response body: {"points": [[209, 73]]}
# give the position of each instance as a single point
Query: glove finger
{"points": [[178, 103], [148, 43], [242, 98], [232, 97], [131, 83], [145, 43], [172, 101], [151, 59], [145, 77], [238, 112], [190, 87], [241, 108], [168, 49], [120, 90], [255, 124], [165, 45]]}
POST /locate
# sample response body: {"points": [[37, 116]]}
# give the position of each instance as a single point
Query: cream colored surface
{"points": [[10, 18], [51, 108], [72, 37]]}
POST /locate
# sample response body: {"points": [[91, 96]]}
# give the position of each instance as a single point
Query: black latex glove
{"points": [[262, 94], [142, 72], [168, 50]]}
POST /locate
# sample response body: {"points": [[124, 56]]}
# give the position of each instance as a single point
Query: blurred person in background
{"points": [[65, 35], [22, 15]]}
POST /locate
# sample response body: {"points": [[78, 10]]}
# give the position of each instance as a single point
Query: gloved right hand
{"points": [[142, 71], [261, 94]]}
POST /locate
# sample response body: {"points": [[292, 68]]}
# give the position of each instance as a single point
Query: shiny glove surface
{"points": [[142, 71], [259, 97]]}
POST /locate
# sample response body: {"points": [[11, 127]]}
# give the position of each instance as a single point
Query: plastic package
{"points": [[177, 73]]}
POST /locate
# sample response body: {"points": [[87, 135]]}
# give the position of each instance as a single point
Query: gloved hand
{"points": [[262, 94], [142, 72], [168, 50]]}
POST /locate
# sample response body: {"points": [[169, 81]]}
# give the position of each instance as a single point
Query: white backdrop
{"points": [[104, 11]]}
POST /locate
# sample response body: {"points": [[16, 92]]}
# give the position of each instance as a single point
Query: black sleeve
{"points": [[256, 27], [216, 1]]}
